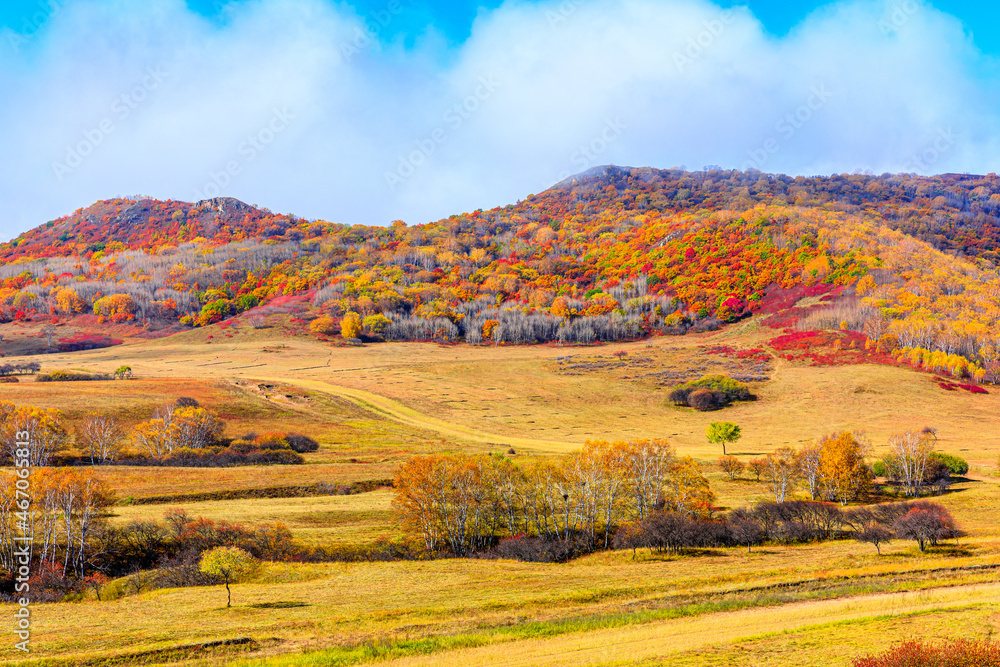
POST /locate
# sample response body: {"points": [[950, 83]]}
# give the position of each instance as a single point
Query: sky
{"points": [[367, 111]]}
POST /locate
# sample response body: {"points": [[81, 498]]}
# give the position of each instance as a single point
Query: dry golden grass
{"points": [[382, 403], [357, 519], [517, 396], [142, 482]]}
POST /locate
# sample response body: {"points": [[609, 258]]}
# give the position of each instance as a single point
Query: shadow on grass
{"points": [[283, 604]]}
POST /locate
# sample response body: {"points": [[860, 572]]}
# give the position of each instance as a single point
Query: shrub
{"points": [[919, 654], [70, 376], [955, 464], [926, 523], [301, 443], [710, 392], [532, 550], [731, 465], [704, 400], [185, 402]]}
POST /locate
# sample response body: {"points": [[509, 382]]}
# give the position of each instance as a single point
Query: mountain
{"points": [[143, 224], [909, 262]]}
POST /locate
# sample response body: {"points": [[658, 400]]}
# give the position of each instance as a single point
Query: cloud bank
{"points": [[299, 106]]}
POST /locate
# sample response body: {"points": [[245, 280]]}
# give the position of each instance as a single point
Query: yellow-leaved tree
{"points": [[350, 325]]}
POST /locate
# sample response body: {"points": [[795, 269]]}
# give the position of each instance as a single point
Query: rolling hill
{"points": [[614, 253]]}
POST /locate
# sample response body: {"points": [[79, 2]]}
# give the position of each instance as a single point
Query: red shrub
{"points": [[962, 653]]}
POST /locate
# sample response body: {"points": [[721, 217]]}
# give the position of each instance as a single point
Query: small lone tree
{"points": [[731, 465], [874, 535], [231, 564], [123, 372], [721, 433]]}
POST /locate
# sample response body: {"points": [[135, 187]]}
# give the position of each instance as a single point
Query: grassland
{"points": [[373, 406]]}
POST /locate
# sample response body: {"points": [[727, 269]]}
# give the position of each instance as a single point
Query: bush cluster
{"points": [[710, 393], [789, 522], [72, 376], [249, 449]]}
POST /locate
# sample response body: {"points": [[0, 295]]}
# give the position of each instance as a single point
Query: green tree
{"points": [[231, 564], [377, 324], [722, 433]]}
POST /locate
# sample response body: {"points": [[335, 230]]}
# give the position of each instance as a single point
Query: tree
{"points": [[781, 472], [731, 465], [377, 324], [323, 325], [48, 332], [744, 529], [907, 460], [156, 437], [41, 428], [231, 564], [686, 490], [874, 535], [350, 325], [123, 372], [722, 433], [809, 468], [926, 523], [96, 581], [102, 437], [197, 427], [845, 476], [757, 467]]}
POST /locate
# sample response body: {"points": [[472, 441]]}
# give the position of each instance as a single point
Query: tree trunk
{"points": [[229, 595]]}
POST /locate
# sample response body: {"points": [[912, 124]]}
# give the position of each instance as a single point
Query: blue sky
{"points": [[373, 110], [454, 17]]}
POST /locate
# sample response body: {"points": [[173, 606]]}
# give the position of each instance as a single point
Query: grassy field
{"points": [[371, 407], [355, 519]]}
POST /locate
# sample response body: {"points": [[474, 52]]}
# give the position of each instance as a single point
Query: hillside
{"points": [[612, 254]]}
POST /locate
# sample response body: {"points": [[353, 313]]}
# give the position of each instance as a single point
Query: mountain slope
{"points": [[614, 253]]}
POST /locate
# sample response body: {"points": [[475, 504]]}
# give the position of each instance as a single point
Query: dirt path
{"points": [[392, 409], [661, 639]]}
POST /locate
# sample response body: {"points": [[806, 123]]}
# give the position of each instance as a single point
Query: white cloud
{"points": [[537, 92]]}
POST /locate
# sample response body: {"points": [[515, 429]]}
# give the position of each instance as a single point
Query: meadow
{"points": [[374, 406]]}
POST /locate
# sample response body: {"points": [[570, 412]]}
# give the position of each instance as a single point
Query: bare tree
{"points": [[102, 436], [809, 468], [909, 453], [781, 472]]}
